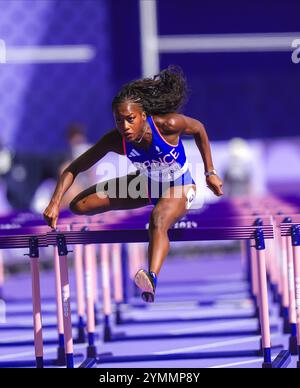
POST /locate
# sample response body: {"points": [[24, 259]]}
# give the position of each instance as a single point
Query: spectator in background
{"points": [[237, 173], [77, 141], [77, 144], [5, 167]]}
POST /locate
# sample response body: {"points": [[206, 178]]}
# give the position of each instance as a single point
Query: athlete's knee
{"points": [[77, 206], [159, 221]]}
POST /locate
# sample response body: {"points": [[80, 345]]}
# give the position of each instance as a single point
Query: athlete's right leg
{"points": [[105, 196]]}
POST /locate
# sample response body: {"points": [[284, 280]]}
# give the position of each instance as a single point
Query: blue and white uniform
{"points": [[164, 164]]}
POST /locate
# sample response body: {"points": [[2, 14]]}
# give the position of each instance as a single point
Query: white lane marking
{"points": [[29, 337], [220, 325], [238, 363], [31, 353], [187, 316], [213, 345]]}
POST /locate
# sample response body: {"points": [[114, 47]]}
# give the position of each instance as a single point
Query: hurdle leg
{"points": [[275, 270], [271, 264], [278, 263], [117, 276], [254, 279], [36, 302], [125, 277], [79, 292], [244, 260], [296, 256], [1, 275], [264, 309], [65, 296], [106, 291], [283, 358], [248, 274], [134, 264], [285, 288], [293, 347], [95, 281], [61, 356], [88, 262]]}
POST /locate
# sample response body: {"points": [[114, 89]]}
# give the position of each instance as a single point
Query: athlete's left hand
{"points": [[214, 183]]}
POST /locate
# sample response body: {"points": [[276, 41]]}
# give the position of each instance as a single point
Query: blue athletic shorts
{"points": [[156, 189]]}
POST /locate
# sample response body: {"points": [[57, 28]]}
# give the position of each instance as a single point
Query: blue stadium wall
{"points": [[253, 95]]}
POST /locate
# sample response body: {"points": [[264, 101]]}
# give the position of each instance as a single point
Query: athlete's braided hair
{"points": [[164, 93]]}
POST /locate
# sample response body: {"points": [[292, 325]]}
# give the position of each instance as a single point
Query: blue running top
{"points": [[162, 162]]}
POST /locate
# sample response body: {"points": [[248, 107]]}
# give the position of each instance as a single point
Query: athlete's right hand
{"points": [[51, 214]]}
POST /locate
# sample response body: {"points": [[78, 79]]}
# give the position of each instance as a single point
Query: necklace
{"points": [[138, 141]]}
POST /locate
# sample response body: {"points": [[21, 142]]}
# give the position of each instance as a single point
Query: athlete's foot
{"points": [[146, 282]]}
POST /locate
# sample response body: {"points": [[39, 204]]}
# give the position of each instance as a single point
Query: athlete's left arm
{"points": [[185, 125]]}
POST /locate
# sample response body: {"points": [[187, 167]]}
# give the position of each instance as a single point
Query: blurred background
{"points": [[62, 61], [61, 64]]}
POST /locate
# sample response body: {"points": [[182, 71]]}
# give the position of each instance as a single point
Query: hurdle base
{"points": [[276, 296], [274, 291], [267, 365], [107, 334], [91, 351], [281, 311], [70, 360], [282, 360], [177, 356], [273, 347], [257, 314], [96, 314], [118, 336], [286, 326], [61, 356], [293, 345], [89, 362], [118, 317], [80, 336], [39, 362]]}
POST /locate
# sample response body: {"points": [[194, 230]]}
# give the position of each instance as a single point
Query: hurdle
{"points": [[213, 233], [295, 234], [34, 237], [1, 275], [137, 233], [291, 232], [282, 268], [208, 222], [78, 265]]}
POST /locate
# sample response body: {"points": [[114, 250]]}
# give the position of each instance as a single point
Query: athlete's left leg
{"points": [[168, 210]]}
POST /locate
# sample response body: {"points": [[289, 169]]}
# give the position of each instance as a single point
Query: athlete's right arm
{"points": [[111, 142]]}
